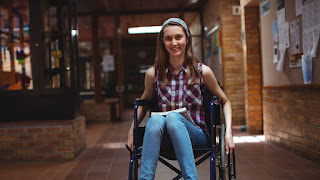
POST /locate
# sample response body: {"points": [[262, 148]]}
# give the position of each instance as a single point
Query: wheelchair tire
{"points": [[223, 169], [135, 176]]}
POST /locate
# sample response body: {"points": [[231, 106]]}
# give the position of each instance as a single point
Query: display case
{"points": [[39, 78]]}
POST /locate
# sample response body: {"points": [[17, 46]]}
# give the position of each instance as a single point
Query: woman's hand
{"points": [[130, 140], [229, 144]]}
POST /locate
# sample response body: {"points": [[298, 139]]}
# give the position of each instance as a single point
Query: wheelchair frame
{"points": [[210, 152]]}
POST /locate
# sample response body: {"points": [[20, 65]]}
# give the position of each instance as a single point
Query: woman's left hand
{"points": [[229, 144]]}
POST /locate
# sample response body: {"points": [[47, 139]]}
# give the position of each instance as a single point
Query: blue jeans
{"points": [[184, 136]]}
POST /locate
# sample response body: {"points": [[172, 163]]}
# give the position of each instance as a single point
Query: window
{"points": [[15, 61]]}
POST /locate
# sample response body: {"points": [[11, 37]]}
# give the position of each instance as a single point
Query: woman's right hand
{"points": [[130, 140]]}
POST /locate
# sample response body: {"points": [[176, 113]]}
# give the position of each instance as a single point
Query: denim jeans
{"points": [[184, 136]]}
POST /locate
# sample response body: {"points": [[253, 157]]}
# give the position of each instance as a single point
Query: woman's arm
{"points": [[147, 94], [210, 81]]}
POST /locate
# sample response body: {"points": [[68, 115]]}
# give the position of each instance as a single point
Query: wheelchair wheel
{"points": [[135, 170], [223, 170]]}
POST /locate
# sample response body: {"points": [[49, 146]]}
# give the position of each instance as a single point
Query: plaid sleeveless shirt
{"points": [[177, 95]]}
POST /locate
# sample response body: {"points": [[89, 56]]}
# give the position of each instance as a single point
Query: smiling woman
{"points": [[175, 80]]}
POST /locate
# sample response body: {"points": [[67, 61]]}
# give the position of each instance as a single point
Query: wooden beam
{"points": [[96, 60], [119, 63], [133, 12]]}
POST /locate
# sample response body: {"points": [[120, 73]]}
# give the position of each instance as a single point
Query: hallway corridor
{"points": [[106, 158]]}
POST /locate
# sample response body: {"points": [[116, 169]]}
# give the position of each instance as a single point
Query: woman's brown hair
{"points": [[162, 58]]}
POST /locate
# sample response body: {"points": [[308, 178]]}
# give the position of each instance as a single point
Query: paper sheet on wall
{"points": [[316, 12], [280, 65], [108, 63], [310, 41], [304, 18], [294, 37], [307, 68], [298, 7], [283, 35], [281, 16], [311, 26], [315, 47], [310, 16]]}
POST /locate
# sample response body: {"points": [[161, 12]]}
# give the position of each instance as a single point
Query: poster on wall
{"points": [[307, 69], [295, 60], [280, 4], [283, 28], [264, 7], [208, 46], [275, 32], [108, 63]]}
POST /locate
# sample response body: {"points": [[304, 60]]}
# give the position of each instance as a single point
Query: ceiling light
{"points": [[144, 30], [74, 32]]}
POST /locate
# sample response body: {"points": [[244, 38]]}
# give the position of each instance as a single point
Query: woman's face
{"points": [[175, 40]]}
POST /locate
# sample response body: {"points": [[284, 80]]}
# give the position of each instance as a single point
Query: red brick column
{"points": [[252, 68], [232, 60]]}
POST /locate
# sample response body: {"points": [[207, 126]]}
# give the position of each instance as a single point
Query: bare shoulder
{"points": [[148, 82], [206, 70], [150, 72]]}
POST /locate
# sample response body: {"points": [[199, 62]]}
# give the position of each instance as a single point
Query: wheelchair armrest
{"points": [[142, 102]]}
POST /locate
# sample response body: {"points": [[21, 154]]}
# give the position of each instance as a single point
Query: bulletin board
{"points": [[291, 72]]}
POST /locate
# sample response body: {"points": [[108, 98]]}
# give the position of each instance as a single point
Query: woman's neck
{"points": [[176, 63]]}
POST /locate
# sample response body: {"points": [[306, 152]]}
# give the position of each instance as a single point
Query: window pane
{"points": [[15, 62]]}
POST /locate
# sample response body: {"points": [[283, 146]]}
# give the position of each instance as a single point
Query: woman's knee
{"points": [[174, 121], [155, 124]]}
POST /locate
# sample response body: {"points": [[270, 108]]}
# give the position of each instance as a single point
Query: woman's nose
{"points": [[173, 42]]}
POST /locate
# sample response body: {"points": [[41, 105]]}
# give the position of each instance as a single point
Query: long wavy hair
{"points": [[162, 58]]}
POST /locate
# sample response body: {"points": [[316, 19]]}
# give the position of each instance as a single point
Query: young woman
{"points": [[176, 77]]}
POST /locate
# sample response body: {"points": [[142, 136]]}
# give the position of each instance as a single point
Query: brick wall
{"points": [[292, 119], [232, 59], [100, 111], [252, 69], [42, 140]]}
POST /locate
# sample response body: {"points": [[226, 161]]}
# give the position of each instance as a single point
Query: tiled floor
{"points": [[106, 158]]}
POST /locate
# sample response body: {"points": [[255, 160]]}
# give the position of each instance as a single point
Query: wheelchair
{"points": [[219, 159]]}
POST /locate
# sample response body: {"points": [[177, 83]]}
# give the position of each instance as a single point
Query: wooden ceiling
{"points": [[107, 7], [133, 13]]}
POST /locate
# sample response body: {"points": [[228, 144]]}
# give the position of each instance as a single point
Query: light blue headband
{"points": [[177, 20]]}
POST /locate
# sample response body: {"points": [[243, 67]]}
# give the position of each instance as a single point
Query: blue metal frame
{"points": [[134, 156], [213, 142]]}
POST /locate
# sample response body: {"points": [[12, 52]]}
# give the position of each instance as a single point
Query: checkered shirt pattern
{"points": [[177, 95]]}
